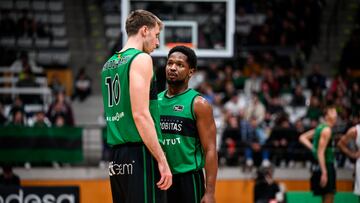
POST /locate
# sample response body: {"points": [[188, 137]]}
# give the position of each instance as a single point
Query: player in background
{"points": [[352, 134], [323, 178]]}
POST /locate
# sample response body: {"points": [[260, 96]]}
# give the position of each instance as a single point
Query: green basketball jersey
{"points": [[181, 142], [329, 150], [121, 127]]}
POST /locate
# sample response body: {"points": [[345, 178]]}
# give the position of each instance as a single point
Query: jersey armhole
{"points": [[192, 106]]}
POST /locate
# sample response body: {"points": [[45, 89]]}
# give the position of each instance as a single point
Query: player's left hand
{"points": [[208, 198]]}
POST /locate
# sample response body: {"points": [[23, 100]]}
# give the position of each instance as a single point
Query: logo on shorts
{"points": [[121, 169], [178, 108]]}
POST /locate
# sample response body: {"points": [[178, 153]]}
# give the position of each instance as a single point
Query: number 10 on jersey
{"points": [[113, 90]]}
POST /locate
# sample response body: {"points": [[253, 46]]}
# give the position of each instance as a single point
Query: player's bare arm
{"points": [[207, 132], [140, 76], [306, 137], [323, 142], [343, 143]]}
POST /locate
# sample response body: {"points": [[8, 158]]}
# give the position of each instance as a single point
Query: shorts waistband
{"points": [[129, 144], [189, 172]]}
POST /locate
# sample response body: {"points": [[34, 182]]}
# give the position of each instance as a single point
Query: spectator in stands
{"points": [[228, 73], [235, 105], [338, 83], [26, 75], [314, 111], [7, 25], [251, 66], [268, 123], [219, 116], [295, 76], [283, 79], [298, 98], [195, 81], [56, 85], [281, 140], [17, 105], [253, 138], [229, 146], [212, 73], [252, 84], [342, 101], [238, 79], [3, 118], [8, 177], [264, 94], [266, 188], [271, 81], [24, 61], [17, 119], [207, 92], [41, 120], [355, 98], [255, 109], [275, 105], [62, 107], [227, 89], [223, 85], [316, 79], [28, 79], [59, 120], [82, 85]]}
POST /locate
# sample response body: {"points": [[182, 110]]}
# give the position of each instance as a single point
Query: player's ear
{"points": [[191, 72], [143, 30]]}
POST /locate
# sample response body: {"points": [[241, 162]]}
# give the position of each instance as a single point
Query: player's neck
{"points": [[133, 42], [328, 123], [176, 89]]}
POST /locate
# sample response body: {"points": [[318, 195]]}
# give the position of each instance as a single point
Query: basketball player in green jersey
{"points": [[132, 116], [323, 179], [189, 132]]}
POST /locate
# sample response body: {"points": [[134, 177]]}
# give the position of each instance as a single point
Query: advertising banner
{"points": [[68, 194]]}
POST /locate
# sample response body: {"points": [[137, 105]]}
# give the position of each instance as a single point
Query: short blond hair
{"points": [[139, 18]]}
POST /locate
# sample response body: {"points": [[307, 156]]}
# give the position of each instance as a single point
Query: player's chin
{"points": [[171, 81], [171, 77]]}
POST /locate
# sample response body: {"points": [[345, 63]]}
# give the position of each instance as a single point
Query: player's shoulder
{"points": [[326, 131], [201, 103], [353, 131], [143, 57], [142, 62]]}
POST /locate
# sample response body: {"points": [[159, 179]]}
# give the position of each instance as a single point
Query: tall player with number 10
{"points": [[132, 115]]}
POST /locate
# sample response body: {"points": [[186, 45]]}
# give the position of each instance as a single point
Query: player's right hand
{"points": [[356, 155], [166, 177], [323, 179]]}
